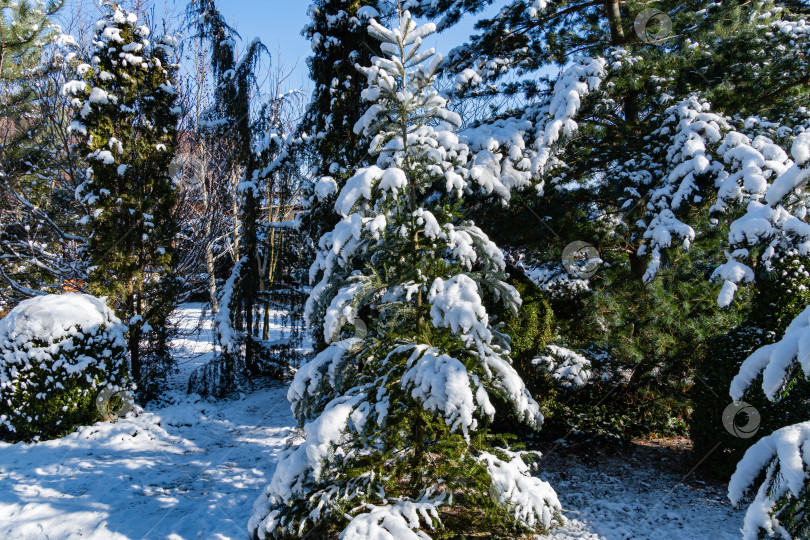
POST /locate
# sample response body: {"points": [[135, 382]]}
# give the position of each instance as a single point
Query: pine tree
{"points": [[742, 58], [396, 410], [623, 135], [776, 465], [35, 224], [127, 116], [24, 28]]}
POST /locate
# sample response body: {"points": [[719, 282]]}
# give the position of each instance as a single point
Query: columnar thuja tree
{"points": [[339, 43], [395, 411], [127, 123]]}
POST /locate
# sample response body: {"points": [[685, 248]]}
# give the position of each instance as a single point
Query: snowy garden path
{"points": [[189, 469], [192, 469]]}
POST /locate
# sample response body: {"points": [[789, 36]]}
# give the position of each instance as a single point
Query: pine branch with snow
{"points": [[768, 224], [689, 128], [779, 461], [782, 456]]}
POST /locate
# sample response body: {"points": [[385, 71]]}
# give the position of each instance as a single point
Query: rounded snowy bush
{"points": [[57, 352]]}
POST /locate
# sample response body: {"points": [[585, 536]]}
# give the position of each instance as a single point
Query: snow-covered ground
{"points": [[192, 347], [642, 492], [188, 468], [191, 469]]}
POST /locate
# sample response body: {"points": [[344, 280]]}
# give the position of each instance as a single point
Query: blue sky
{"points": [[278, 24]]}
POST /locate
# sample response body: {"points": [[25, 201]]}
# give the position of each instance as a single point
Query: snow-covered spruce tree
{"points": [[127, 119], [446, 12], [395, 411]]}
